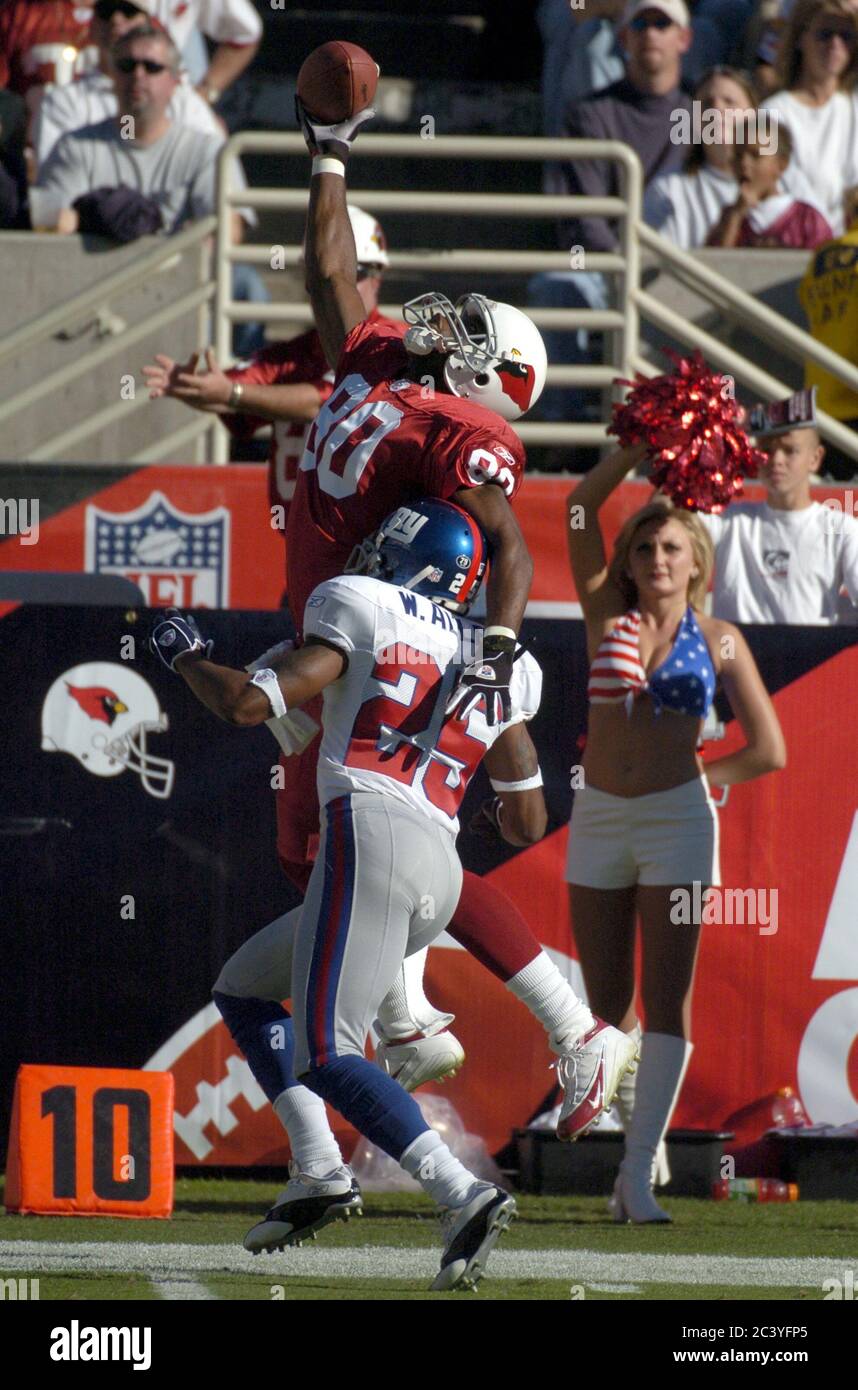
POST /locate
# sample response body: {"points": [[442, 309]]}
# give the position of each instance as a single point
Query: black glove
{"points": [[486, 822], [334, 140], [173, 635], [488, 680]]}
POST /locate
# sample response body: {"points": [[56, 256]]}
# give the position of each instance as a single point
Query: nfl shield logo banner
{"points": [[177, 558]]}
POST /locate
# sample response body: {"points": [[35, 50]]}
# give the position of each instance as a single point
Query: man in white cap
{"points": [[284, 383], [786, 560]]}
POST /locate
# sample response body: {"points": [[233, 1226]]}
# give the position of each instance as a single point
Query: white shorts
{"points": [[664, 838]]}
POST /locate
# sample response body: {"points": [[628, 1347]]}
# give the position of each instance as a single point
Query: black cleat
{"points": [[303, 1208], [470, 1235]]}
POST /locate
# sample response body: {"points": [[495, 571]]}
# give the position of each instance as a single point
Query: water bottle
{"points": [[754, 1190], [787, 1110]]}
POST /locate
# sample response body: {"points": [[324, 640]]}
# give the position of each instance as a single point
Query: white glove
{"points": [[331, 139]]}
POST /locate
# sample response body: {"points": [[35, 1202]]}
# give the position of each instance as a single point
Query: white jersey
{"points": [[223, 21], [775, 566], [384, 723]]}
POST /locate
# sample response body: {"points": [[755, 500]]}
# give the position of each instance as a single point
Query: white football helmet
{"points": [[496, 354], [102, 713], [370, 241]]}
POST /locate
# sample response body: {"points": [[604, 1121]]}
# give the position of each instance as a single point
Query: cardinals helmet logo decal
{"points": [[104, 714], [97, 701], [517, 381]]}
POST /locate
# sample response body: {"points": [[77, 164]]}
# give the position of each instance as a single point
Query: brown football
{"points": [[336, 81]]}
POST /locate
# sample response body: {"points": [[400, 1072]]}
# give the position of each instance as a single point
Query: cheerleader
{"points": [[644, 822]]}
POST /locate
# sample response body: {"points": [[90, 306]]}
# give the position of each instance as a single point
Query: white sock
{"points": [[551, 999], [405, 1010], [303, 1116], [438, 1172]]}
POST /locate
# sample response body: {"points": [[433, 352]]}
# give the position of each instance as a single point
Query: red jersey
{"points": [[378, 441], [44, 41], [800, 227], [298, 362]]}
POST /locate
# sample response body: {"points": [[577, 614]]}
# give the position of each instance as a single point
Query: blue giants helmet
{"points": [[432, 547]]}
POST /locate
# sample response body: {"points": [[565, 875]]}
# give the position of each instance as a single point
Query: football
{"points": [[337, 81]]}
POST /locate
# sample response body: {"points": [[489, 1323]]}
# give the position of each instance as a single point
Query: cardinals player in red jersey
{"points": [[417, 412], [284, 383]]}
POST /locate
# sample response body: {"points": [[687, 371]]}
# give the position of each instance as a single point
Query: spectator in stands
{"points": [[284, 383], [763, 213], [819, 65], [138, 171], [641, 111], [13, 169], [233, 26], [92, 98], [684, 207], [829, 296], [763, 39], [784, 560], [582, 55]]}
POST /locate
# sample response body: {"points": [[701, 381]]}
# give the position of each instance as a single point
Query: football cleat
{"points": [[304, 1206], [590, 1072], [415, 1061], [471, 1233]]}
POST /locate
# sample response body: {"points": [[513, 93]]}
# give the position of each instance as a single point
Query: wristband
{"points": [[235, 396], [327, 164], [495, 631], [270, 687], [528, 784]]}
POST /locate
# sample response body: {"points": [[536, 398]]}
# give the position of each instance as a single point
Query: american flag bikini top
{"points": [[684, 682]]}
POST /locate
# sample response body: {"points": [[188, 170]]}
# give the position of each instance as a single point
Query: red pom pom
{"points": [[693, 429]]}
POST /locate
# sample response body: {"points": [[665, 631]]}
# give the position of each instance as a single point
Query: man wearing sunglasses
{"points": [[92, 98], [156, 161]]}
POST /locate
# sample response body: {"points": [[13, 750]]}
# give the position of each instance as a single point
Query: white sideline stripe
{"points": [[181, 1289], [382, 1261]]}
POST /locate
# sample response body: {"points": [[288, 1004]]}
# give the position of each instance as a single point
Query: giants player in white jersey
{"points": [[387, 647]]}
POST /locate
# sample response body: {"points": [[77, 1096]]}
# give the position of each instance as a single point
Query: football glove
{"points": [[486, 822], [487, 680], [335, 140], [173, 635]]}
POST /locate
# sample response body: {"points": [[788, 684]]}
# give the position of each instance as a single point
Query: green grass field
{"points": [[560, 1248]]}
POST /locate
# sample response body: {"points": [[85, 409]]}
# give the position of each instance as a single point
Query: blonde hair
{"points": [[805, 12], [661, 509]]}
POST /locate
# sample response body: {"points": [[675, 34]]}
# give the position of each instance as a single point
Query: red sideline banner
{"points": [[202, 537]]}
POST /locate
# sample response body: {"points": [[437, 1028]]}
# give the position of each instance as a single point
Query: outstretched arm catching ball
{"points": [[335, 86]]}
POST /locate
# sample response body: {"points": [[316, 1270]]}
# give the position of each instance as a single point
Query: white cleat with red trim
{"points": [[590, 1071], [417, 1060]]}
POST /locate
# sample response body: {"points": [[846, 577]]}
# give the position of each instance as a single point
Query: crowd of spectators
{"points": [[108, 124]]}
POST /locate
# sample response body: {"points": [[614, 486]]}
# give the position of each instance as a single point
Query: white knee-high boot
{"points": [[664, 1059], [624, 1100]]}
